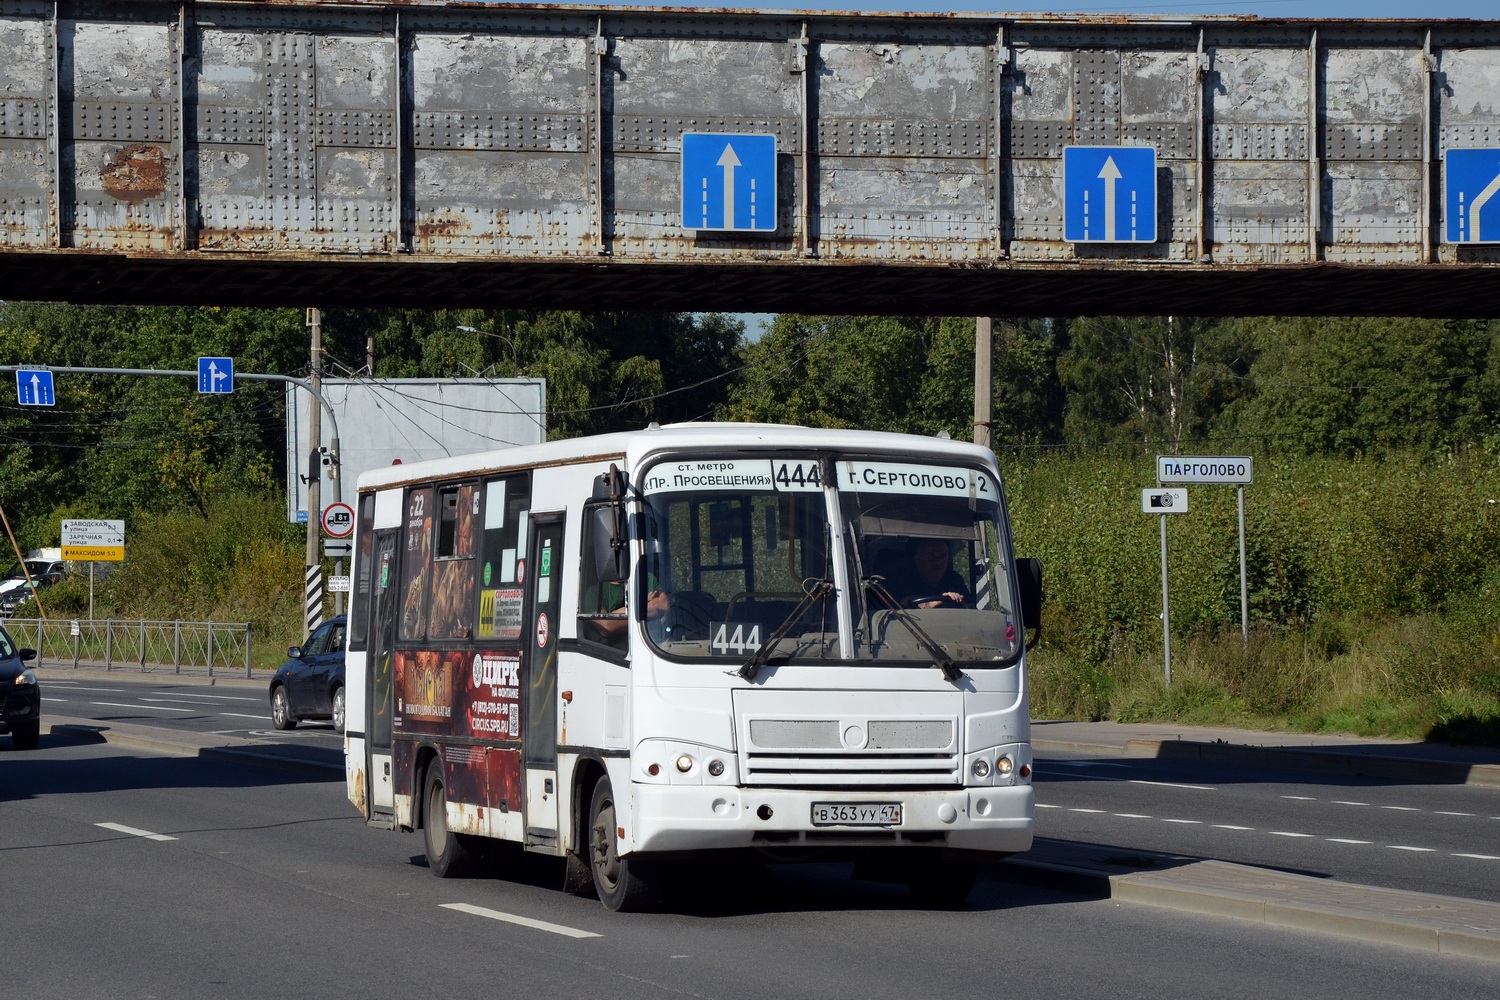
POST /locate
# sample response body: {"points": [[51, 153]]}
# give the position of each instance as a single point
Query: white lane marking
{"points": [[512, 918], [62, 700], [1419, 850], [1228, 826], [1300, 798], [1343, 802], [237, 715], [1346, 840], [1131, 815], [1077, 810], [154, 708], [1444, 812], [1404, 809], [210, 697], [1479, 857], [132, 831], [1047, 805], [72, 687], [1190, 822], [1173, 784], [1284, 833]]}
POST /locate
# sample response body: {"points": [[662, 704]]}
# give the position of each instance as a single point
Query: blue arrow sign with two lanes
{"points": [[729, 182], [1109, 194]]}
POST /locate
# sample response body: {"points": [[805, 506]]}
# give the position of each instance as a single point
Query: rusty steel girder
{"points": [[426, 153]]}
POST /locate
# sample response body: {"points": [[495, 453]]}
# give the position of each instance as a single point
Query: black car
{"points": [[310, 685], [20, 695]]}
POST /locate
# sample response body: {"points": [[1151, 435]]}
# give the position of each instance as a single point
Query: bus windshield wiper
{"points": [[940, 657], [810, 596]]}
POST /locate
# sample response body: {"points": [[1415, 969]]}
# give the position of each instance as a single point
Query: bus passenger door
{"points": [[384, 609], [544, 578]]}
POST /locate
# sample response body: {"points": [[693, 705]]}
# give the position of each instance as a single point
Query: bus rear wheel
{"points": [[448, 853], [622, 883]]}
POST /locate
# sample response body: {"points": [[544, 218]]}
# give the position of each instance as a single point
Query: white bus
{"points": [[694, 641]]}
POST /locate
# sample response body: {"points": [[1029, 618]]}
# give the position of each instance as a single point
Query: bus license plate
{"points": [[856, 814]]}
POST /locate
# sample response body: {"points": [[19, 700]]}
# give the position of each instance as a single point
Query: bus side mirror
{"points": [[610, 550], [1029, 580]]}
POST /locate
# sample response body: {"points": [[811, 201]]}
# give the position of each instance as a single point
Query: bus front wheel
{"points": [[622, 883]]}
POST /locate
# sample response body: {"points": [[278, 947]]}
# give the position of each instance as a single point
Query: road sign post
{"points": [[1165, 502], [1226, 470], [1109, 194], [728, 182]]}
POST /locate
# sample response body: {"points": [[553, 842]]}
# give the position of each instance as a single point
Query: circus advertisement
{"points": [[458, 693]]}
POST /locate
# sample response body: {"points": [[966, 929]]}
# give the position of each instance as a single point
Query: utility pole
{"points": [[314, 579], [984, 404]]}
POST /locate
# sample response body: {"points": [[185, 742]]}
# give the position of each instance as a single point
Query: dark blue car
{"points": [[20, 695], [310, 684]]}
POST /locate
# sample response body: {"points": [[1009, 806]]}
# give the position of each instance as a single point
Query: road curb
{"points": [[1439, 924], [1312, 759]]}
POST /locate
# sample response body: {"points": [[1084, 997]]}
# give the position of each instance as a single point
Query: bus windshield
{"points": [[929, 548], [741, 549]]}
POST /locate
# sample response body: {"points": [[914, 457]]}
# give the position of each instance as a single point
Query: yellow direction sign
{"points": [[93, 541]]}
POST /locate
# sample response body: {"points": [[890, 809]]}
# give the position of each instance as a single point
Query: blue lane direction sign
{"points": [[729, 182], [1109, 194], [1471, 184], [34, 387], [215, 375]]}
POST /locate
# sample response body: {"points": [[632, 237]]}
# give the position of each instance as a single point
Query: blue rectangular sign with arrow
{"points": [[215, 375], [1471, 180], [34, 387], [729, 182], [1109, 194]]}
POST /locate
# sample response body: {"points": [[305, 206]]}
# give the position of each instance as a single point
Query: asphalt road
{"points": [[129, 874], [1422, 837]]}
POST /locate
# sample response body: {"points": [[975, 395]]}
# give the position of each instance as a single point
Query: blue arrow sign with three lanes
{"points": [[1109, 194], [34, 387], [215, 375], [728, 182]]}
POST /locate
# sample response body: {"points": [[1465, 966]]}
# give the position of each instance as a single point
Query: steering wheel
{"points": [[943, 601]]}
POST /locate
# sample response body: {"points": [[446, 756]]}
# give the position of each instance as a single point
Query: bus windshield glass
{"points": [[735, 550], [930, 553]]}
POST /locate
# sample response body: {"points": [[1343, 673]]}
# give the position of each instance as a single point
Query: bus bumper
{"points": [[696, 818]]}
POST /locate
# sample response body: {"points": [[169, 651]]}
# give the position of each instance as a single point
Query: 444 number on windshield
{"points": [[731, 639]]}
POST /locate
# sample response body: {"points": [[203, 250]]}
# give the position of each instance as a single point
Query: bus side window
{"points": [[503, 507], [602, 613]]}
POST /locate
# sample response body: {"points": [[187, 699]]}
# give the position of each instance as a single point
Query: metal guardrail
{"points": [[124, 643]]}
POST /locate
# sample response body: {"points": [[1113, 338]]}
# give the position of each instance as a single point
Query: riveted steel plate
{"points": [[23, 118], [121, 122], [867, 137], [652, 134], [1370, 210], [1367, 141], [1263, 141], [1257, 86], [522, 132]]}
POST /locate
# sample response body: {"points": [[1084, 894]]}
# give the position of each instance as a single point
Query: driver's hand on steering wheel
{"points": [[948, 598]]}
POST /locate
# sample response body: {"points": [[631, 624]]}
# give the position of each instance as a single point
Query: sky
{"points": [[1428, 9]]}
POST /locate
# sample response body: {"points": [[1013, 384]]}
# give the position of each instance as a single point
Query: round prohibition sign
{"points": [[338, 520]]}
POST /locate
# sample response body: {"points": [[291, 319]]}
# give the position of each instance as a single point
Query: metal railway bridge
{"points": [[418, 153]]}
